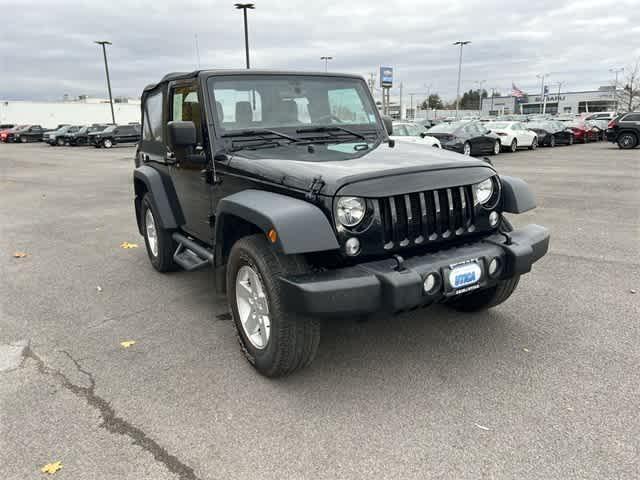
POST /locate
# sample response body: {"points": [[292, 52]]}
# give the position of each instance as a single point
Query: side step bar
{"points": [[189, 255]]}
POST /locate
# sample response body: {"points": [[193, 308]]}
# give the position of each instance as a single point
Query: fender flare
{"points": [[155, 185], [301, 227], [517, 197]]}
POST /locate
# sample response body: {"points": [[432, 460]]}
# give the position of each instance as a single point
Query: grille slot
{"points": [[419, 218]]}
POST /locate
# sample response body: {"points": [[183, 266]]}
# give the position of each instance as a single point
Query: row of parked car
{"points": [[477, 137], [97, 135]]}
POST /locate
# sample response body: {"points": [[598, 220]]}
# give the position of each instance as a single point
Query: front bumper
{"points": [[381, 286]]}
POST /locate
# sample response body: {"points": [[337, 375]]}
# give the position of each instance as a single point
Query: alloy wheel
{"points": [[253, 307], [514, 145], [152, 232], [496, 148], [467, 149]]}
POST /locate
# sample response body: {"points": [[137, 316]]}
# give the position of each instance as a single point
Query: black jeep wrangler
{"points": [[288, 185]]}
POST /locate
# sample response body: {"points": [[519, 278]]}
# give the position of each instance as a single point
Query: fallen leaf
{"points": [[481, 426], [127, 343], [51, 468], [99, 288], [633, 290], [526, 349], [19, 254], [128, 245], [570, 409]]}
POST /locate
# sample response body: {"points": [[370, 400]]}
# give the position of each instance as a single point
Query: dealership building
{"points": [[601, 100]]}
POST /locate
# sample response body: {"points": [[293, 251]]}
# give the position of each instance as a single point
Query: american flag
{"points": [[516, 92]]}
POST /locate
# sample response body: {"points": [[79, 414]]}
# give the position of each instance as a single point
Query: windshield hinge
{"points": [[314, 189]]}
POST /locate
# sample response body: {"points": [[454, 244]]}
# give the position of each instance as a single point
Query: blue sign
{"points": [[386, 77]]}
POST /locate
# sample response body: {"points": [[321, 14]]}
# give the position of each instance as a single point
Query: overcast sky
{"points": [[46, 47]]}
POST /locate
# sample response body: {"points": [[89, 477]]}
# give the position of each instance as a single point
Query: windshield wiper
{"points": [[329, 130], [258, 132]]}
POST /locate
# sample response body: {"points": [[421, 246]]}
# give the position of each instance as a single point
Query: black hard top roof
{"points": [[186, 75]]}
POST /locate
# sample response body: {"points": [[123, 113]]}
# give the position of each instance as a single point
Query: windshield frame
{"points": [[217, 130]]}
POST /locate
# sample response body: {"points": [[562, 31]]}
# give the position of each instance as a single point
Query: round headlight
{"points": [[484, 190], [350, 210]]}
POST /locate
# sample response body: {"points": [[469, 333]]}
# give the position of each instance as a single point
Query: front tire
{"points": [[276, 342], [60, 142], [497, 147], [160, 245], [107, 143], [466, 149], [514, 146], [24, 139], [552, 142], [570, 139], [627, 141], [534, 144]]}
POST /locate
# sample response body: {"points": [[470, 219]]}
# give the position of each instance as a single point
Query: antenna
{"points": [[197, 50]]}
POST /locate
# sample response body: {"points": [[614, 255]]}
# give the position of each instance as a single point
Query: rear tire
{"points": [[497, 148], [60, 142], [514, 146], [161, 248], [291, 340], [552, 142], [24, 139], [627, 141], [107, 143], [534, 144]]}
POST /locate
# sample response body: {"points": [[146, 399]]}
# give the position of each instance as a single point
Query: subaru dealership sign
{"points": [[386, 77]]}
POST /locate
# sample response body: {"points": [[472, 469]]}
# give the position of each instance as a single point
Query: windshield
{"points": [[407, 130], [109, 129], [277, 101], [498, 125], [444, 128]]}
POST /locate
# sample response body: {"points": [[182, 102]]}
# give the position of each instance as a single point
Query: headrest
{"points": [[244, 115]]}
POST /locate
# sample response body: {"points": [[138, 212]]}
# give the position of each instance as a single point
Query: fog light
{"points": [[352, 247], [494, 217], [494, 266], [430, 283]]}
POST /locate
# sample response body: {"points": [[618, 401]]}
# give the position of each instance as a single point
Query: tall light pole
{"points": [[106, 69], [616, 71], [326, 62], [462, 44], [481, 83], [542, 76], [558, 100], [244, 7]]}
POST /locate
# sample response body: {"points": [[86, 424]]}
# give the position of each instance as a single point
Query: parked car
{"points": [[514, 135], [25, 134], [625, 130], [81, 136], [551, 133], [57, 137], [114, 135], [600, 127], [4, 132], [468, 138], [316, 213], [6, 126], [607, 116], [583, 132], [413, 133]]}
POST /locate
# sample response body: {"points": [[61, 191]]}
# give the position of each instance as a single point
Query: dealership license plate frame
{"points": [[465, 267]]}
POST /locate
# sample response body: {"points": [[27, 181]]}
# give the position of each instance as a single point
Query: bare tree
{"points": [[631, 90]]}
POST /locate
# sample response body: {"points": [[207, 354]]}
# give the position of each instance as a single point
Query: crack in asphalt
{"points": [[110, 420]]}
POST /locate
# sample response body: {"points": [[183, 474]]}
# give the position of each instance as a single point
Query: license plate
{"points": [[465, 275]]}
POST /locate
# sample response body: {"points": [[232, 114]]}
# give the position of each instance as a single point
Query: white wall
{"points": [[51, 114]]}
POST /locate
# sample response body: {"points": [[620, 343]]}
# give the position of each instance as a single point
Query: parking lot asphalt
{"points": [[545, 386]]}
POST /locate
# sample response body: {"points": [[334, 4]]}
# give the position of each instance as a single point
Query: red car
{"points": [[584, 133], [4, 131]]}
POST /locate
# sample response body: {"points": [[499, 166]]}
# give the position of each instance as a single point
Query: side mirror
{"points": [[487, 132], [423, 134], [182, 134], [388, 124]]}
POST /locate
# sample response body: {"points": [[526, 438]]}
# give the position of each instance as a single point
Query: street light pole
{"points": [[326, 62], [615, 85], [558, 100], [244, 7], [462, 44], [106, 69], [481, 83], [542, 77]]}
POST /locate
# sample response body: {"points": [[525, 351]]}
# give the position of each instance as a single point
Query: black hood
{"points": [[381, 171]]}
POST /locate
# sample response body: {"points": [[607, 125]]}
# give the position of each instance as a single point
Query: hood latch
{"points": [[317, 184]]}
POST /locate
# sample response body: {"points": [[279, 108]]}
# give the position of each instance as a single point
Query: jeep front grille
{"points": [[420, 218]]}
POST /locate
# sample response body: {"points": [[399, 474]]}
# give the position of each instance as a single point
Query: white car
{"points": [[413, 133], [514, 135]]}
